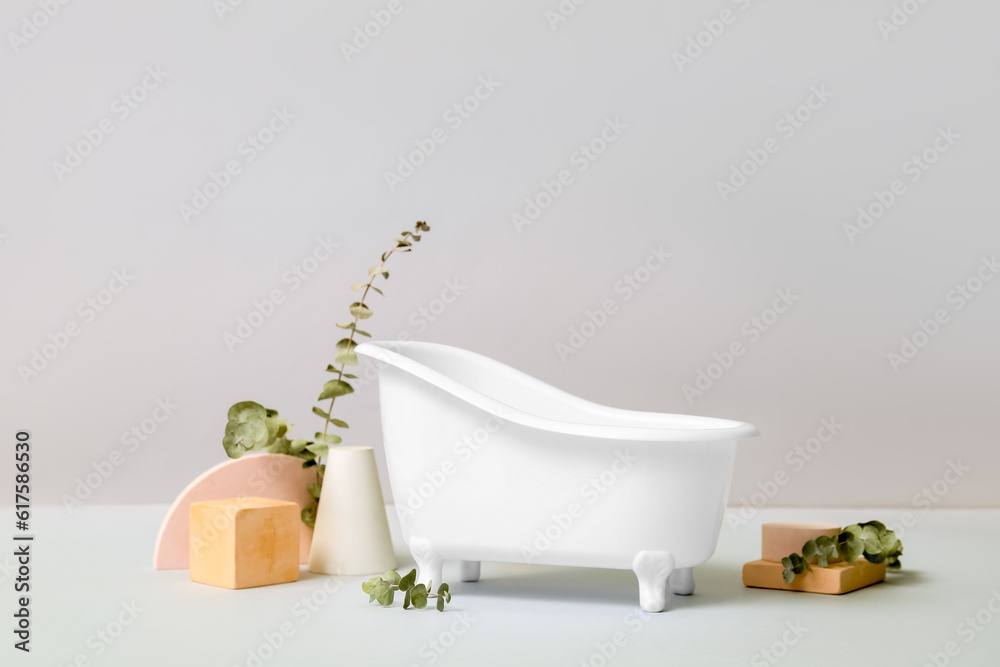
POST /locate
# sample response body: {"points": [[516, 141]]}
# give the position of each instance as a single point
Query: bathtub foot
{"points": [[429, 562], [652, 568], [682, 581], [468, 570]]}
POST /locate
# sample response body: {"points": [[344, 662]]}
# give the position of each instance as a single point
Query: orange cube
{"points": [[244, 542]]}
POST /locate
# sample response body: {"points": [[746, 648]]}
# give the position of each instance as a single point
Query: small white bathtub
{"points": [[488, 463]]}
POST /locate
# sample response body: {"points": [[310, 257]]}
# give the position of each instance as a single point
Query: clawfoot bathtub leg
{"points": [[468, 570], [429, 562], [652, 568], [682, 581]]}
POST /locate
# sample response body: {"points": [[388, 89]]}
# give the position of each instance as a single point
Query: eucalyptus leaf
{"points": [[392, 577], [319, 449], [344, 353], [246, 410], [826, 550], [314, 489], [244, 436], [276, 427], [361, 311], [369, 586], [335, 388], [328, 439], [849, 546], [406, 583], [872, 541], [309, 515], [383, 592], [418, 596], [280, 446]]}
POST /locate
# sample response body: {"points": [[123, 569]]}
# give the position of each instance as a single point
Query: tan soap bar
{"points": [[781, 539], [244, 542], [837, 579]]}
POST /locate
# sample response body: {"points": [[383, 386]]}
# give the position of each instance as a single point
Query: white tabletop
{"points": [[92, 569]]}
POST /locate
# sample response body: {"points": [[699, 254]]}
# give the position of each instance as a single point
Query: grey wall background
{"points": [[520, 291]]}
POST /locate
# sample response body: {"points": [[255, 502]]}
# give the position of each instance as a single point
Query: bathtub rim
{"points": [[380, 351]]}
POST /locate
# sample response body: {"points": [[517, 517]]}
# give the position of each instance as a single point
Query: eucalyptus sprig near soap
{"points": [[870, 539]]}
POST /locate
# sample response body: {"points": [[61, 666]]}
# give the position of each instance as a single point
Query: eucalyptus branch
{"points": [[870, 539], [252, 427], [382, 589]]}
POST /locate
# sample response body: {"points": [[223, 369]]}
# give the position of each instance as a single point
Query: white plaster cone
{"points": [[352, 531]]}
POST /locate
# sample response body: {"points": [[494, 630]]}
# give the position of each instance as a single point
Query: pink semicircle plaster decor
{"points": [[276, 476]]}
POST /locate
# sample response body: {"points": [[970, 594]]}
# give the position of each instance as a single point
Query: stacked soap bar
{"points": [[244, 542], [782, 539]]}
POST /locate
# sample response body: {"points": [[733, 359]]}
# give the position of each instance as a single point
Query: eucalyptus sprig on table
{"points": [[251, 427], [382, 589], [870, 539]]}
